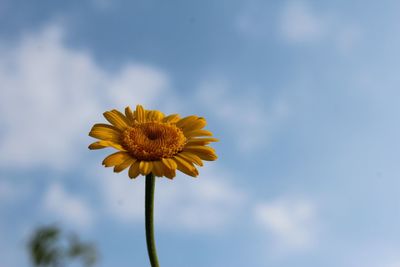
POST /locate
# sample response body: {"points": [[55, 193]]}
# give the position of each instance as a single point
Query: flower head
{"points": [[149, 142]]}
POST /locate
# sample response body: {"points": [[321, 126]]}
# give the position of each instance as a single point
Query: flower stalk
{"points": [[149, 219]]}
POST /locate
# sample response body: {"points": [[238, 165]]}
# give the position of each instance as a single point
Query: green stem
{"points": [[149, 212]]}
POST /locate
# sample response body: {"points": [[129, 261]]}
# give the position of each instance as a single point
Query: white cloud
{"points": [[203, 204], [296, 21], [299, 23], [292, 222], [136, 84], [252, 123], [123, 198], [51, 94], [67, 207]]}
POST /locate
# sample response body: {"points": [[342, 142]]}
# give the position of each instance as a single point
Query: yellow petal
{"points": [[169, 163], [97, 145], [191, 158], [173, 118], [154, 115], [185, 166], [203, 152], [169, 173], [201, 141], [169, 167], [125, 164], [195, 125], [157, 168], [134, 170], [181, 123], [105, 132], [145, 167], [202, 148], [129, 115], [208, 157], [117, 119], [140, 114], [197, 133], [115, 159], [104, 144]]}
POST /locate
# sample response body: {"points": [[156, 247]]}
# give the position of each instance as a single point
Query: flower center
{"points": [[153, 140]]}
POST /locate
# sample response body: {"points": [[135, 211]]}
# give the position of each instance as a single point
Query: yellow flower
{"points": [[149, 142]]}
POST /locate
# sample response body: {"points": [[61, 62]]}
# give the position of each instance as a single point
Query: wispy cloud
{"points": [[200, 205], [252, 123], [52, 93], [292, 221], [66, 207], [299, 23]]}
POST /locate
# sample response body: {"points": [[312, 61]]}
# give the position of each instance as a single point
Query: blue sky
{"points": [[303, 95]]}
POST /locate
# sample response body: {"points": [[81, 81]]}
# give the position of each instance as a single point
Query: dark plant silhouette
{"points": [[49, 247]]}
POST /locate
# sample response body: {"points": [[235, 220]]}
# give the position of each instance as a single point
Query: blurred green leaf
{"points": [[48, 247]]}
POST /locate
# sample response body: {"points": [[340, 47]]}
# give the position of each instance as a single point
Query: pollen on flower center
{"points": [[153, 140]]}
